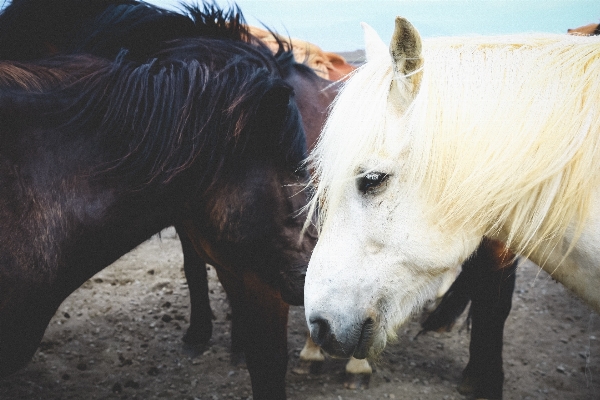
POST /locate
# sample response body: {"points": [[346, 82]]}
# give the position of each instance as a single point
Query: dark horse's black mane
{"points": [[104, 27], [184, 90]]}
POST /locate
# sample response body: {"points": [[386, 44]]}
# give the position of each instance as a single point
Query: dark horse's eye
{"points": [[371, 180]]}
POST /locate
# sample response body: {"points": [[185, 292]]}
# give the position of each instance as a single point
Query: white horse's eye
{"points": [[371, 181]]}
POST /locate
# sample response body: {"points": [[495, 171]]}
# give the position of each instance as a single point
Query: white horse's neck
{"points": [[498, 142], [580, 270]]}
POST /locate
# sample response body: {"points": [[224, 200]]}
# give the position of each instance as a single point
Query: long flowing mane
{"points": [[14, 76], [189, 86], [33, 29], [157, 118], [178, 71], [504, 134]]}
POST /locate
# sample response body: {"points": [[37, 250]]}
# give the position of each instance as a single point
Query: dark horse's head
{"points": [[191, 107], [248, 217], [238, 121]]}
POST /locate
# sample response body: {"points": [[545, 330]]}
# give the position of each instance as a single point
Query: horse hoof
{"points": [[196, 338], [466, 386], [195, 344], [357, 381], [304, 367], [194, 350], [238, 359], [478, 389]]}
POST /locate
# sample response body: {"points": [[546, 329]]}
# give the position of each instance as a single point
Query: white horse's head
{"points": [[378, 258], [423, 155]]}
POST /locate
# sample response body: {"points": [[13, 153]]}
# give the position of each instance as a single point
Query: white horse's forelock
{"points": [[358, 133], [526, 111]]}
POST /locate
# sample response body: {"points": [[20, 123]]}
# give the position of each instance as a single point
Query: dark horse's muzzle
{"points": [[291, 285]]}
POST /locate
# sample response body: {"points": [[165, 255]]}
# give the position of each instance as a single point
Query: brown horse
{"points": [[327, 65], [586, 30], [200, 132]]}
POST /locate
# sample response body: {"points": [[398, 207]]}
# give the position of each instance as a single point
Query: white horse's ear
{"points": [[375, 48], [406, 52]]}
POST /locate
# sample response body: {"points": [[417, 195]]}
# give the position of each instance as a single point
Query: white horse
{"points": [[432, 146]]}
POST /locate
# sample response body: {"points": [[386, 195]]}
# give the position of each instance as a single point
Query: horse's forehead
{"points": [[378, 160]]}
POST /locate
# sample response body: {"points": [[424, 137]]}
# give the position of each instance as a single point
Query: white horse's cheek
{"points": [[420, 245]]}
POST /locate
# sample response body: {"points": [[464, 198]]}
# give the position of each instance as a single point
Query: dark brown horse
{"points": [[200, 132], [31, 30]]}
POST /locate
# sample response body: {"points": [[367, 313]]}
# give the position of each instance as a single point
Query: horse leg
{"points": [[261, 316], [200, 330], [492, 285], [238, 358], [22, 326], [27, 304], [311, 358]]}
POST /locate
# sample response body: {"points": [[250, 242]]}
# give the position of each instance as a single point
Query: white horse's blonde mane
{"points": [[504, 134]]}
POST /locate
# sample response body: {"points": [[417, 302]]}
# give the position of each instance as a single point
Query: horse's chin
{"points": [[375, 349], [291, 285], [371, 349]]}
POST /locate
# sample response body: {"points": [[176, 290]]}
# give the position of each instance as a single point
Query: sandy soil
{"points": [[119, 337]]}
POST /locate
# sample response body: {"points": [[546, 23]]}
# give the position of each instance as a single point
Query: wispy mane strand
{"points": [[177, 112]]}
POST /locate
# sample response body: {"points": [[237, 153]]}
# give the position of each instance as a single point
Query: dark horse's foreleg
{"points": [[23, 321], [492, 282], [29, 299], [260, 317], [200, 329], [238, 358], [487, 280]]}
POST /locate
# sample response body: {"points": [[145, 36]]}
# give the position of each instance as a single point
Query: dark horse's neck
{"points": [[62, 220], [55, 169]]}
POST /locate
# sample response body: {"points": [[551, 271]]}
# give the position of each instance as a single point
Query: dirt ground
{"points": [[119, 337]]}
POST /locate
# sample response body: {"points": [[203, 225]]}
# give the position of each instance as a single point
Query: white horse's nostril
{"points": [[320, 330], [365, 340]]}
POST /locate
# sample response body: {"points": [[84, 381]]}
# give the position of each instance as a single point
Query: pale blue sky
{"points": [[334, 24]]}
